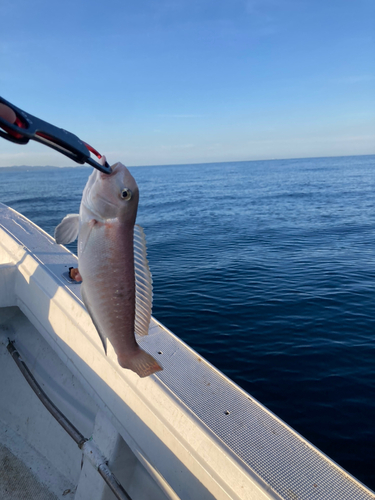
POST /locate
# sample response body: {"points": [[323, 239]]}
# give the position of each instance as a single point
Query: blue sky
{"points": [[177, 81]]}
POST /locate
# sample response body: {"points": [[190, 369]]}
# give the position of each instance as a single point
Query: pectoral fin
{"points": [[143, 283], [67, 230]]}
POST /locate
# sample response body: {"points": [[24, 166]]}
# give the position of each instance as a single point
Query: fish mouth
{"points": [[114, 168]]}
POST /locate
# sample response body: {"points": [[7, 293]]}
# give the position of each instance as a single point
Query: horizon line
{"points": [[195, 163]]}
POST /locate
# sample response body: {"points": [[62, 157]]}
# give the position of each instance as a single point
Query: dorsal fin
{"points": [[143, 283]]}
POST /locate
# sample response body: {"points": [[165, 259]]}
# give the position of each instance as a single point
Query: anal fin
{"points": [[103, 338]]}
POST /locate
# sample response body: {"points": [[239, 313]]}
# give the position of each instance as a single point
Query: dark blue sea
{"points": [[267, 269]]}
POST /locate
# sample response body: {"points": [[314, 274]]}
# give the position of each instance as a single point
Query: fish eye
{"points": [[126, 194]]}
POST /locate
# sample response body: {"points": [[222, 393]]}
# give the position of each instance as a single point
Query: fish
{"points": [[112, 262]]}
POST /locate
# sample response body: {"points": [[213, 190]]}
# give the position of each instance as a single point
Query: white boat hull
{"points": [[187, 432]]}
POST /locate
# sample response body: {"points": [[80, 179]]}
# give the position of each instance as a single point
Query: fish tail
{"points": [[142, 363]]}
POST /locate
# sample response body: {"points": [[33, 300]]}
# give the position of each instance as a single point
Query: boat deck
{"points": [[16, 480], [196, 432], [24, 422]]}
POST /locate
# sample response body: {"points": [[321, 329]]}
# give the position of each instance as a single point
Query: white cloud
{"points": [[173, 147], [180, 116]]}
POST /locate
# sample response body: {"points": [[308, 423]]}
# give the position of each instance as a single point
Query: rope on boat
{"points": [[88, 447]]}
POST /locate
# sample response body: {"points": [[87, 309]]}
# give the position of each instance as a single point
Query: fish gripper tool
{"points": [[19, 127]]}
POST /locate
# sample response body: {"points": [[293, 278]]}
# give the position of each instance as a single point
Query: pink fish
{"points": [[116, 281]]}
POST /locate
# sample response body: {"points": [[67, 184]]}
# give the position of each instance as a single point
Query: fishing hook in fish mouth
{"points": [[19, 127]]}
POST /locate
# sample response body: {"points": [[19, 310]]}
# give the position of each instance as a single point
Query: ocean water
{"points": [[267, 269]]}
